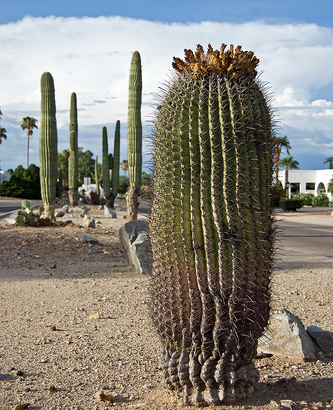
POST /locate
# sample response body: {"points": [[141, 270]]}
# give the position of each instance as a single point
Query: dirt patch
{"points": [[75, 320]]}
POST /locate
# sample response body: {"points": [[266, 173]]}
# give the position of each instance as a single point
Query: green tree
{"points": [[86, 165], [28, 123], [280, 143], [124, 166], [23, 183], [288, 163], [2, 131], [330, 186], [329, 161]]}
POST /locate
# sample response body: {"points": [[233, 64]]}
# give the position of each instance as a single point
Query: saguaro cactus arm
{"points": [[211, 227]]}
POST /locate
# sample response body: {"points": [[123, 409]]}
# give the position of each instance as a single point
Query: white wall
{"points": [[318, 177]]}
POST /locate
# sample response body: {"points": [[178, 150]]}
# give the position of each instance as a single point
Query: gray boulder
{"points": [[323, 338], [134, 237], [287, 338]]}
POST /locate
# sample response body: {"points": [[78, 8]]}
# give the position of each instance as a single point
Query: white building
{"points": [[309, 182], [4, 176]]}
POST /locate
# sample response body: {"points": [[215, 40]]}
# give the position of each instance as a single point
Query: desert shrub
{"points": [[290, 204], [306, 198], [321, 200]]}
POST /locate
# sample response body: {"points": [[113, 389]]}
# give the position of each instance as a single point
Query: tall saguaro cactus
{"points": [[48, 142], [105, 165], [116, 161], [211, 227], [97, 176], [73, 159], [134, 136]]}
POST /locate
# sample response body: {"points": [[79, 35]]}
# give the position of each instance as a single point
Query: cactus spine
{"points": [[116, 161], [134, 136], [105, 165], [97, 177], [211, 227], [48, 142], [73, 159]]}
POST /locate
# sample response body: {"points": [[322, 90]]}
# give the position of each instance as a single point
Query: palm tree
{"points": [[28, 123], [2, 131], [124, 166], [288, 163], [330, 186], [2, 134], [330, 162], [279, 144]]}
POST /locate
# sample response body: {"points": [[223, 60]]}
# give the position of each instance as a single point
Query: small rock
{"points": [[22, 406], [89, 239], [286, 404], [52, 389], [80, 210], [54, 266], [89, 221], [109, 213], [104, 396], [53, 328], [324, 339], [11, 221], [95, 316], [59, 214]]}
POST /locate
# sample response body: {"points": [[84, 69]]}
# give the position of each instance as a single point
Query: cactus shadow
{"points": [[296, 392]]}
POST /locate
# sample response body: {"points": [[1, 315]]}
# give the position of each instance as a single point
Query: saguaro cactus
{"points": [[48, 142], [73, 159], [116, 161], [211, 227], [105, 165], [97, 176], [134, 136]]}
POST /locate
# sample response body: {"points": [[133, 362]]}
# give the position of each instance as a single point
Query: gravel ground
{"points": [[75, 331]]}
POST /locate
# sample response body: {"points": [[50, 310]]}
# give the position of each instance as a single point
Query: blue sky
{"points": [[90, 54]]}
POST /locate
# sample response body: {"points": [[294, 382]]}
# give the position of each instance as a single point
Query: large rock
{"points": [[134, 237], [287, 338], [323, 338]]}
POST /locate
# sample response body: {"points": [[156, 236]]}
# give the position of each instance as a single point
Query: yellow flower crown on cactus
{"points": [[233, 61]]}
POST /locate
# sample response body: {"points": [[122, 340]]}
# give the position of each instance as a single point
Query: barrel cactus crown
{"points": [[211, 225]]}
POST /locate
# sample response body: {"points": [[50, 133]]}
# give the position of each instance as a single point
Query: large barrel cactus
{"points": [[211, 227], [48, 145], [134, 136], [73, 159]]}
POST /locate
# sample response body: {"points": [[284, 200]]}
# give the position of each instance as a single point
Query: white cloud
{"points": [[91, 56]]}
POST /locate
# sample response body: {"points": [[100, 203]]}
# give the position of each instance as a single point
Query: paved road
{"points": [[7, 206], [303, 245]]}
